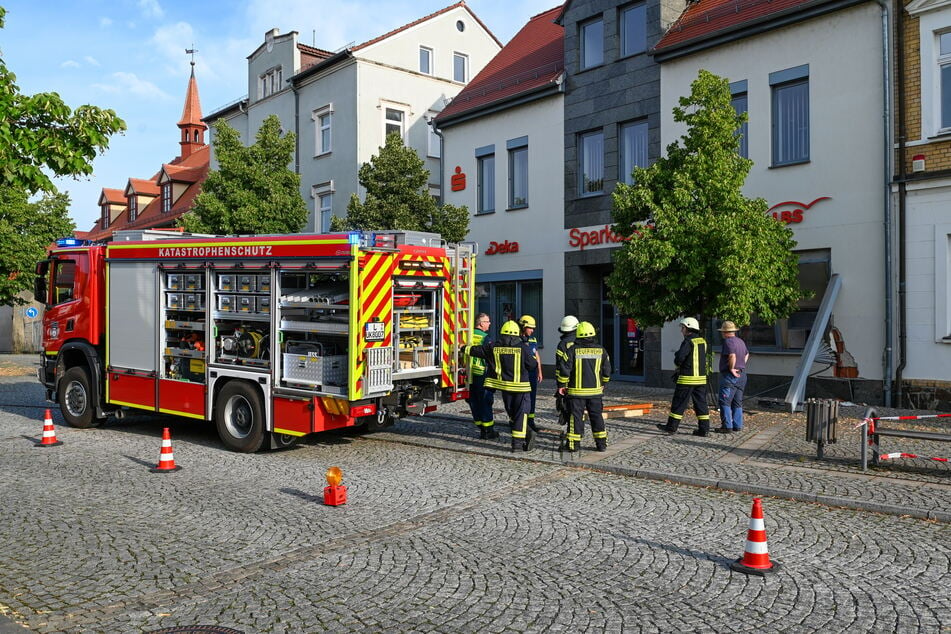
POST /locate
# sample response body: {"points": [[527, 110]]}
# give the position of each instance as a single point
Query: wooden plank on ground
{"points": [[627, 411]]}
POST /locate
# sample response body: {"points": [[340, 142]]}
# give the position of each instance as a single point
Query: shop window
{"points": [[792, 332], [508, 300]]}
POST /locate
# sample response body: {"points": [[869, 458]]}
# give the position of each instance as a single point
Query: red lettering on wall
{"points": [[579, 238], [496, 248], [458, 180], [791, 211]]}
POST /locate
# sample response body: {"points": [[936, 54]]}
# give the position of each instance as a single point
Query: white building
{"points": [[342, 105], [504, 159], [810, 75]]}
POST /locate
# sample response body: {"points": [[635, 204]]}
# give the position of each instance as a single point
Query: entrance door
{"points": [[624, 340]]}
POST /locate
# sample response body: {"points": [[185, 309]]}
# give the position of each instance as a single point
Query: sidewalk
{"points": [[769, 457]]}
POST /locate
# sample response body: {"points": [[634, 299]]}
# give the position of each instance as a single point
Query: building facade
{"points": [[503, 159], [341, 105], [811, 78]]}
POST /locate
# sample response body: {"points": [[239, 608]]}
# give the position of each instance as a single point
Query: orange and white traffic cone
{"points": [[167, 458], [49, 432], [755, 559]]}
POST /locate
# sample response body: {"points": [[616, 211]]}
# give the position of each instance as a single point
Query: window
{"points": [[793, 332], [166, 197], [433, 144], [591, 163], [741, 106], [942, 282], [394, 122], [634, 30], [105, 216], [323, 128], [944, 68], [485, 189], [270, 82], [633, 149], [323, 195], [790, 90], [592, 44], [133, 207], [460, 67], [518, 172], [510, 299], [425, 60], [64, 277]]}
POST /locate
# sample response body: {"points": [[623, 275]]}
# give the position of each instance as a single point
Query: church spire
{"points": [[191, 125]]}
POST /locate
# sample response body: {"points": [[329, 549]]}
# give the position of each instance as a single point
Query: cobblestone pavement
{"points": [[441, 541]]}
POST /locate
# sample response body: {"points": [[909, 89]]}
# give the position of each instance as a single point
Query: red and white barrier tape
{"points": [[910, 417], [892, 456]]}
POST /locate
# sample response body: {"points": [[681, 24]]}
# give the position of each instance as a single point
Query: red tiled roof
{"points": [[112, 196], [461, 3], [183, 174], [310, 56], [143, 187], [191, 113], [707, 18], [532, 59]]}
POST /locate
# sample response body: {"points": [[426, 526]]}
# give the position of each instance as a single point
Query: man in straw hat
{"points": [[733, 358]]}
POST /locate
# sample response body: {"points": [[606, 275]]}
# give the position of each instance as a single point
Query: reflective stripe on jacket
{"points": [[561, 352], [585, 369], [477, 365], [508, 362]]}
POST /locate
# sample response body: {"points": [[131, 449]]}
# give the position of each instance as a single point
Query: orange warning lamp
{"points": [[335, 494]]}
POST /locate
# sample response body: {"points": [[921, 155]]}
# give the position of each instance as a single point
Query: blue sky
{"points": [[129, 55]]}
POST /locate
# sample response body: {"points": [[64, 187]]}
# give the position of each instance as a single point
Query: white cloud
{"points": [[130, 84], [92, 61], [70, 64], [105, 22], [170, 42], [151, 9]]}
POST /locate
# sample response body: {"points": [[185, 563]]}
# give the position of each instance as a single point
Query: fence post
{"points": [[869, 414]]}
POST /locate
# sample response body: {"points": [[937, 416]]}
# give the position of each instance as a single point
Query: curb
{"points": [[699, 481]]}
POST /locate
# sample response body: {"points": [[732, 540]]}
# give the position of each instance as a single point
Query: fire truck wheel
{"points": [[283, 441], [240, 417], [75, 398]]}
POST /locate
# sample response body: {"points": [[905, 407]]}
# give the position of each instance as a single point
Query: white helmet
{"points": [[691, 323], [568, 324]]}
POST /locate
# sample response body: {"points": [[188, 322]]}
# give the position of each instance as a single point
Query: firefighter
{"points": [[569, 324], [480, 399], [581, 375], [691, 378], [509, 364], [527, 325]]}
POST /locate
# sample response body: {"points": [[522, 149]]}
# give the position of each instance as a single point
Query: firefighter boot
{"points": [[530, 439], [490, 432], [483, 432], [516, 444], [601, 444]]}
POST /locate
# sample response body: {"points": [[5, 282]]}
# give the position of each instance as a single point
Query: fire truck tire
{"points": [[283, 441], [75, 399], [239, 417]]}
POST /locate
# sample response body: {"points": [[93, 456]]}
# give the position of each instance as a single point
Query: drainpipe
{"points": [[888, 158], [902, 193], [442, 153]]}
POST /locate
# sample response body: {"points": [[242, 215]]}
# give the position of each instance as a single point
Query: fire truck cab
{"points": [[270, 337]]}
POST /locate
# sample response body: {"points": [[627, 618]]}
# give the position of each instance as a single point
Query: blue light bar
{"points": [[72, 242], [353, 238]]}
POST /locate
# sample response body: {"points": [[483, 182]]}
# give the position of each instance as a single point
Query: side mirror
{"points": [[39, 283]]}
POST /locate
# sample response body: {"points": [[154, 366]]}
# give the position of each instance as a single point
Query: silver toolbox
{"points": [[192, 282], [173, 301], [264, 305], [174, 282], [247, 283], [226, 282], [226, 303], [193, 301], [315, 370], [264, 283], [245, 304]]}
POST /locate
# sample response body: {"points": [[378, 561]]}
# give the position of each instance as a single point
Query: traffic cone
{"points": [[755, 559], [49, 432], [167, 458]]}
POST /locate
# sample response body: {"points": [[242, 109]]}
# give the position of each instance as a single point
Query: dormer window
{"points": [[270, 82], [166, 197], [133, 208], [105, 216]]}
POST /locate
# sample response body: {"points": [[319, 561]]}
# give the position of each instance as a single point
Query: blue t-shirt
{"points": [[733, 345]]}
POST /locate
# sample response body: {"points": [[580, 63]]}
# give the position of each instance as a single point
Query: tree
{"points": [[40, 132], [253, 190], [697, 245], [26, 229], [397, 198]]}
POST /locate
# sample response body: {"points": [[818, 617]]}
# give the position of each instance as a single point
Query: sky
{"points": [[129, 55]]}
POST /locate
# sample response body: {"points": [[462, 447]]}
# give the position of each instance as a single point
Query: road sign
{"points": [[31, 312]]}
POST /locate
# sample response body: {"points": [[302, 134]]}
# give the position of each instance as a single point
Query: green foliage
{"points": [[26, 229], [40, 132], [396, 183], [697, 245], [253, 190]]}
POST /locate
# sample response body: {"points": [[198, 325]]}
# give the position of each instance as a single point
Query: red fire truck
{"points": [[271, 337]]}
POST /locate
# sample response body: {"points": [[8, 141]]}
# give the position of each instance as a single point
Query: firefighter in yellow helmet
{"points": [[581, 375], [691, 378], [509, 363], [527, 324]]}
